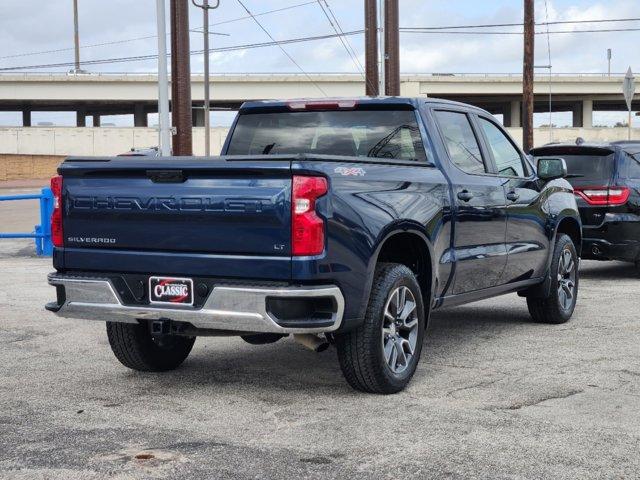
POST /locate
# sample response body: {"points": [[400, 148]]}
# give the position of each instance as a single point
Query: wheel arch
{"points": [[406, 244], [572, 227]]}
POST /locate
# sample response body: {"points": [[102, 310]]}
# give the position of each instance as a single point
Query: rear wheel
{"points": [[382, 354], [135, 347], [558, 307]]}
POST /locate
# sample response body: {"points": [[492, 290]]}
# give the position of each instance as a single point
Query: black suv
{"points": [[606, 179]]}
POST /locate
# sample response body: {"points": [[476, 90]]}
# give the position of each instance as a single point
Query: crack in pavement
{"points": [[534, 402]]}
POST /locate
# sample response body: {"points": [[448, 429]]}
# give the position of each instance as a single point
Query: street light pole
{"points": [[164, 122], [76, 37], [207, 91]]}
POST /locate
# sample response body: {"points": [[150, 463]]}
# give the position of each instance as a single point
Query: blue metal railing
{"points": [[42, 232]]}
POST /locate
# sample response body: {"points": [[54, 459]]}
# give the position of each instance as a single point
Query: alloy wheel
{"points": [[567, 271], [400, 329]]}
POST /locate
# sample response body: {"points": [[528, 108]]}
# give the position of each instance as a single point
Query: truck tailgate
{"points": [[181, 208]]}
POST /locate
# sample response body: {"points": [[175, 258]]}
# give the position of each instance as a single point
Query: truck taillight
{"points": [[307, 228], [57, 236], [604, 196]]}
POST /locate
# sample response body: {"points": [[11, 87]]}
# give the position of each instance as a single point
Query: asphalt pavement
{"points": [[495, 396]]}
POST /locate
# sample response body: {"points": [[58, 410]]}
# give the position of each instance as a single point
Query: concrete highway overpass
{"points": [[94, 95]]}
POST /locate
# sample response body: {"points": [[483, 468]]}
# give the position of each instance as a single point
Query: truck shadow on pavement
{"points": [[229, 364]]}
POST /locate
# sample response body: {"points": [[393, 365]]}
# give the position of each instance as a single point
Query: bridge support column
{"points": [[577, 114], [198, 117], [96, 119], [515, 115], [81, 117], [139, 116], [587, 113], [26, 117]]}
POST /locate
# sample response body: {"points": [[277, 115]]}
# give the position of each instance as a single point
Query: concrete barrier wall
{"points": [[92, 141], [34, 152]]}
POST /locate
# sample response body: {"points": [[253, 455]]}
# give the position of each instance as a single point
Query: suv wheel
{"points": [[135, 347], [382, 354], [558, 307]]}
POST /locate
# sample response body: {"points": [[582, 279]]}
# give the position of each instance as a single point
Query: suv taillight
{"points": [[57, 236], [307, 229], [604, 196]]}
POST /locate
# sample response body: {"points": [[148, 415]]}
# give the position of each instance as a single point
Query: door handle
{"points": [[465, 195], [513, 196]]}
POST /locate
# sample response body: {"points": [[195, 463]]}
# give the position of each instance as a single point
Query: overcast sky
{"points": [[28, 26]]}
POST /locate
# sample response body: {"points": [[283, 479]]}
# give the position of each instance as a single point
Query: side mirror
{"points": [[551, 168]]}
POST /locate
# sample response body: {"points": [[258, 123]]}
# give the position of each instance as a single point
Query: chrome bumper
{"points": [[231, 308]]}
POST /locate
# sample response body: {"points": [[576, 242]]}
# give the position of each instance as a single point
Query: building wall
{"points": [[36, 151], [27, 167]]}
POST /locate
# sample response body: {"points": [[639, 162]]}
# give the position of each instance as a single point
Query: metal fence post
{"points": [[46, 209]]}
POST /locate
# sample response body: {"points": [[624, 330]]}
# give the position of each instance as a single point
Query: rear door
{"points": [[480, 228], [527, 242]]}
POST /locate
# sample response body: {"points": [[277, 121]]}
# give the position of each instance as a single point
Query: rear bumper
{"points": [[617, 238], [228, 308]]}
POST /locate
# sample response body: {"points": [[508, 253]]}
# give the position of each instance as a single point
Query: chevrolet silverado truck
{"points": [[340, 222]]}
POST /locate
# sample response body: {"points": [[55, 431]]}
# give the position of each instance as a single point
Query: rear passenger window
{"points": [[507, 157], [460, 141]]}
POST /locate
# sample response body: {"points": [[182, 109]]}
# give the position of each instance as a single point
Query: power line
{"points": [[260, 14], [490, 25], [279, 43], [553, 32], [148, 37], [303, 4], [346, 39], [230, 48], [341, 38], [281, 48]]}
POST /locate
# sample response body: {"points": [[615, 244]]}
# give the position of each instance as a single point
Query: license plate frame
{"points": [[172, 296]]}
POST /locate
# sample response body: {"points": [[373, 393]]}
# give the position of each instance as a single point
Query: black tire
{"points": [[361, 352], [135, 347], [554, 309]]}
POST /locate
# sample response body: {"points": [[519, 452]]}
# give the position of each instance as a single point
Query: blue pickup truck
{"points": [[341, 222]]}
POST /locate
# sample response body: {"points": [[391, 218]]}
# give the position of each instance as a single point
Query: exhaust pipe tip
{"points": [[312, 342]]}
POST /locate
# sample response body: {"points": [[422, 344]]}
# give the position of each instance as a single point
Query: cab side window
{"points": [[506, 155], [461, 142]]}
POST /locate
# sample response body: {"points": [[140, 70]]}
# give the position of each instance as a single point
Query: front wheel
{"points": [[382, 354], [135, 347], [558, 307]]}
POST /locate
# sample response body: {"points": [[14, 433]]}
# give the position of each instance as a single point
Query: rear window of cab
{"points": [[391, 134]]}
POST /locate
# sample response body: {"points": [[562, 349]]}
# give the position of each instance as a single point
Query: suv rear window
{"points": [[390, 134], [588, 170]]}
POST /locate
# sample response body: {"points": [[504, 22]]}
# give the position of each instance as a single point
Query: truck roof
{"points": [[382, 101]]}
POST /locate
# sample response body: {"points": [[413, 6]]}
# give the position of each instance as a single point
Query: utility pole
{"points": [[76, 38], [392, 47], [381, 47], [371, 48], [207, 94], [527, 75], [609, 61], [181, 79], [164, 121]]}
